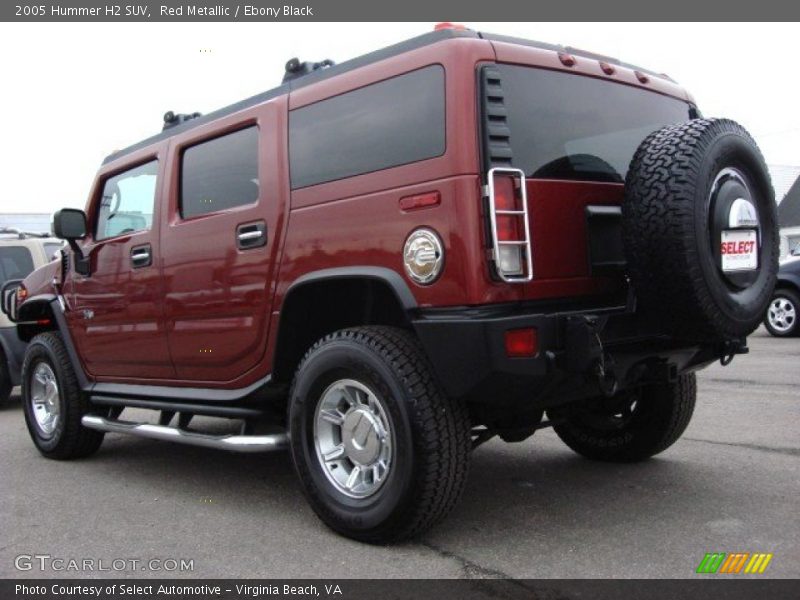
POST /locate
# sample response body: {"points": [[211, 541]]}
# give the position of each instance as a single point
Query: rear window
{"points": [[566, 126], [387, 124], [16, 262]]}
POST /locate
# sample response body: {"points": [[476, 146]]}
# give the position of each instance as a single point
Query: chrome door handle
{"points": [[141, 257], [249, 235]]}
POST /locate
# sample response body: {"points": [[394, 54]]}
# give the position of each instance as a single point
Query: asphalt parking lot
{"points": [[531, 510]]}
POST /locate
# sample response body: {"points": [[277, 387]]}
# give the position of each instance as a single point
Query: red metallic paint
{"points": [[217, 298], [154, 325], [115, 315]]}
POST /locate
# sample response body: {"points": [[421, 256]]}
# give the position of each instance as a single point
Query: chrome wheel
{"points": [[353, 438], [781, 314], [45, 401]]}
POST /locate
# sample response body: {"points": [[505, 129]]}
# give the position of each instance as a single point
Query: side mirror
{"points": [[69, 224]]}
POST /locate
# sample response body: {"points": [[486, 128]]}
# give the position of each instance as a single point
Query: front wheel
{"points": [[782, 313], [630, 426], [382, 454], [54, 403]]}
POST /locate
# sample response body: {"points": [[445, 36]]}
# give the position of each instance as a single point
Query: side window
{"points": [[386, 124], [220, 174], [127, 202], [15, 263]]}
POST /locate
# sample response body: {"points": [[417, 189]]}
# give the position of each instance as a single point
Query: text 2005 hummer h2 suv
{"points": [[384, 263]]}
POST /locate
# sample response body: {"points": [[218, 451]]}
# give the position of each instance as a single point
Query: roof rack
{"points": [[172, 119], [22, 235], [295, 68]]}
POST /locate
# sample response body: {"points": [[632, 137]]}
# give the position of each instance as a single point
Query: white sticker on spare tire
{"points": [[739, 250]]}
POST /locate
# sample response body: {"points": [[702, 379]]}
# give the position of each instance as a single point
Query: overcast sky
{"points": [[73, 93]]}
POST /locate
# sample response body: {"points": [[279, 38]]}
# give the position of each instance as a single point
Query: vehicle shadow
{"points": [[514, 491], [13, 403]]}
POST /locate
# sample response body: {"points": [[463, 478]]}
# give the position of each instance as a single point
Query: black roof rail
{"points": [[295, 68], [313, 72], [298, 82], [171, 119]]}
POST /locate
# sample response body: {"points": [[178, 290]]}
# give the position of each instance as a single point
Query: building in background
{"points": [[783, 176], [789, 219], [33, 222]]}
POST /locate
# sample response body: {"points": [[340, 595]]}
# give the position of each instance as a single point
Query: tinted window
{"points": [[386, 124], [565, 126], [15, 263], [220, 174], [127, 202]]}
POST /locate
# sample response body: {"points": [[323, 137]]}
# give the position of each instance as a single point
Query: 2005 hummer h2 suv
{"points": [[384, 263]]}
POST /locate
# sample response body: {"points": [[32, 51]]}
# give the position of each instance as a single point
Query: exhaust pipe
{"points": [[234, 443]]}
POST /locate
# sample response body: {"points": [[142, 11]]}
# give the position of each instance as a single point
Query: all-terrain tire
{"points": [[430, 434], [672, 239], [69, 439], [660, 416]]}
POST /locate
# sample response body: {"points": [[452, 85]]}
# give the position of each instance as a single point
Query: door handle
{"points": [[251, 235], [141, 256]]}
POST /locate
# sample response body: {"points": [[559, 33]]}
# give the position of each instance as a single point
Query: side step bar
{"points": [[235, 443]]}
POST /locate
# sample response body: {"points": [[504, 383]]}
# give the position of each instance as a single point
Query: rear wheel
{"points": [[54, 403], [381, 452], [631, 425], [782, 314]]}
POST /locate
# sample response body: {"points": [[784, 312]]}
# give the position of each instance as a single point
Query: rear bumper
{"points": [[467, 350]]}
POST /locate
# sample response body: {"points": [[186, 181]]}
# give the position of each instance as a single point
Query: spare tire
{"points": [[700, 230]]}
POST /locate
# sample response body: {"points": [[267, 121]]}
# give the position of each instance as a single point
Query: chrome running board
{"points": [[235, 443]]}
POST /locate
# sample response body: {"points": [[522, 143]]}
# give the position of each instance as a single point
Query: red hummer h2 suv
{"points": [[384, 263]]}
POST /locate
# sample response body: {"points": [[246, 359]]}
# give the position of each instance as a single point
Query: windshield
{"points": [[566, 126]]}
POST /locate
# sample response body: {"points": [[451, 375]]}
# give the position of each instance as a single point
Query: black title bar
{"points": [[399, 10]]}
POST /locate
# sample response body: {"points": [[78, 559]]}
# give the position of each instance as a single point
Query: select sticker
{"points": [[739, 250]]}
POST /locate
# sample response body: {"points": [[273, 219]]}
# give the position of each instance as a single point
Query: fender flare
{"points": [[60, 324], [395, 282]]}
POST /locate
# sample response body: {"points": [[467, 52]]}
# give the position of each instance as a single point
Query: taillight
{"points": [[511, 238], [509, 227]]}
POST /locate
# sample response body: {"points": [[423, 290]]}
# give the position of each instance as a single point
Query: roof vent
{"points": [[295, 68]]}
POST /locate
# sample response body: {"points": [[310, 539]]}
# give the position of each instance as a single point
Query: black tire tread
{"points": [[443, 445], [76, 441], [658, 214], [675, 406]]}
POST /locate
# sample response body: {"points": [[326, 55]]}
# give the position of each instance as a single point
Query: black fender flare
{"points": [[395, 283], [55, 305], [383, 274]]}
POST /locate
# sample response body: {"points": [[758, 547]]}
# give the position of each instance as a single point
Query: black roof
{"points": [[789, 208], [355, 63]]}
